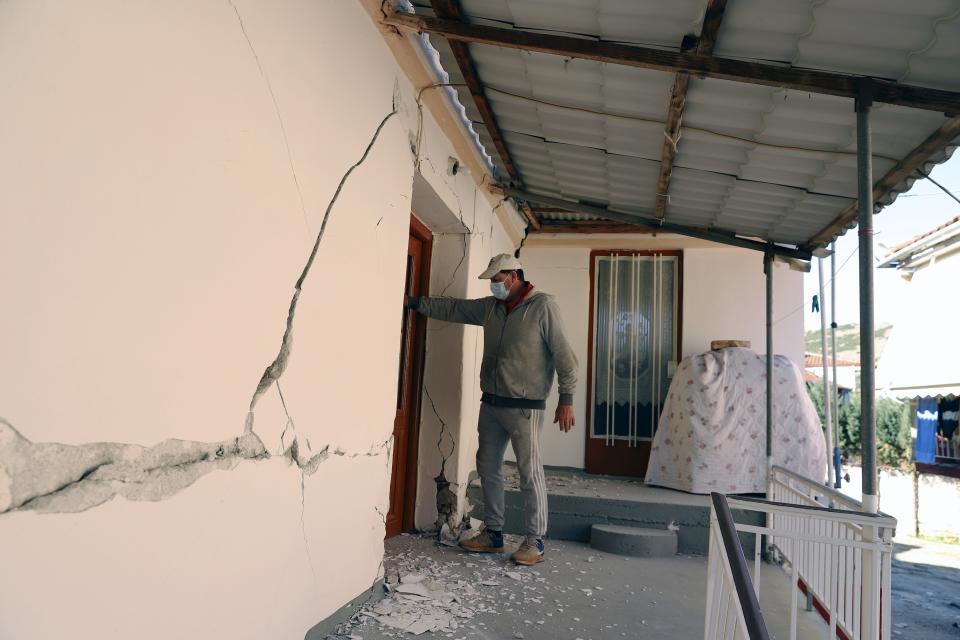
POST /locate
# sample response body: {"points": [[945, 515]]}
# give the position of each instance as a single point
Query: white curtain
{"points": [[634, 340]]}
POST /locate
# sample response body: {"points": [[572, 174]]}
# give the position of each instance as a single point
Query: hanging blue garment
{"points": [[926, 447]]}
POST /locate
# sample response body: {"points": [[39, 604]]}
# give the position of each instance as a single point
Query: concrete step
{"points": [[633, 541], [577, 501]]}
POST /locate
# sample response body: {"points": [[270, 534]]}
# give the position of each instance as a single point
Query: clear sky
{"points": [[922, 208]]}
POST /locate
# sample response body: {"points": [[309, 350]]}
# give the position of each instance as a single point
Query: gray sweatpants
{"points": [[522, 428]]}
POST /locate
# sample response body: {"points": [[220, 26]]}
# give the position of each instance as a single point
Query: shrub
{"points": [[894, 420]]}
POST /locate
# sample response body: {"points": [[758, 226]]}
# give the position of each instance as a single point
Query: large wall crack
{"points": [[61, 478], [275, 369]]}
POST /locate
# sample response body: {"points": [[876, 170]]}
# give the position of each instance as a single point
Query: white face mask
{"points": [[499, 290]]}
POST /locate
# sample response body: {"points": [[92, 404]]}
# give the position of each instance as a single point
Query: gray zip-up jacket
{"points": [[521, 349]]}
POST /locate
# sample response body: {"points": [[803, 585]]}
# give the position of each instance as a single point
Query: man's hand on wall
{"points": [[564, 416]]}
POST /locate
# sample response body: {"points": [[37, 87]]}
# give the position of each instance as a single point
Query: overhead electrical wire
{"points": [[804, 304], [942, 188]]}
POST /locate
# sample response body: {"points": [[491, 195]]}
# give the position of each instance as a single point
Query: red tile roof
{"points": [[904, 245], [813, 360]]}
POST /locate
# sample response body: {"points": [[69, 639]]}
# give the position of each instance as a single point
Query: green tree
{"points": [[893, 432], [815, 391], [893, 427], [849, 435]]}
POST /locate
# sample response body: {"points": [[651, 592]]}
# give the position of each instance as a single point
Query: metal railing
{"points": [[733, 612], [793, 488], [837, 555], [946, 448]]}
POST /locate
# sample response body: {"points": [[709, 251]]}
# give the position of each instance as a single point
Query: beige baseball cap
{"points": [[502, 262]]}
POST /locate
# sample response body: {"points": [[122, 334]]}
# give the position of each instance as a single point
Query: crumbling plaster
{"points": [[451, 395], [163, 201]]}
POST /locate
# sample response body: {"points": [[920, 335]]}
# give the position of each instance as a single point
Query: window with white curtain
{"points": [[635, 343]]}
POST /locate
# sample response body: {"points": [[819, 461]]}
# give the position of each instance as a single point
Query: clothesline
{"points": [[825, 284]]}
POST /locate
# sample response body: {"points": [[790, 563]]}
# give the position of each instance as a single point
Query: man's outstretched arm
{"points": [[453, 309]]}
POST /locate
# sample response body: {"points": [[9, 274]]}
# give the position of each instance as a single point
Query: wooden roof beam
{"points": [[934, 143], [530, 216], [450, 9], [712, 19], [714, 235], [592, 226], [761, 73]]}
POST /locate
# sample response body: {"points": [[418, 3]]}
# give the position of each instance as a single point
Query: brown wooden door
{"points": [[406, 431], [635, 312]]}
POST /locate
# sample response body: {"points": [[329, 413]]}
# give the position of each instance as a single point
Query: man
{"points": [[523, 343]]}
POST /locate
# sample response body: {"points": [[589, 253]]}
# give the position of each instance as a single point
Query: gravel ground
{"points": [[926, 589]]}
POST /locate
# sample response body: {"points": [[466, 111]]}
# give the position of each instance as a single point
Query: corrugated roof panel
{"points": [[912, 42], [584, 84], [638, 21], [634, 140], [566, 216], [545, 179], [758, 160], [650, 22], [634, 175], [494, 9], [938, 60]]}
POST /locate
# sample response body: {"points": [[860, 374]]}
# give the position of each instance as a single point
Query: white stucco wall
{"points": [[846, 376], [900, 372], [927, 509], [723, 298], [151, 237]]}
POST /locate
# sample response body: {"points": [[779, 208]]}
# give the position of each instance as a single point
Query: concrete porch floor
{"points": [[577, 593]]}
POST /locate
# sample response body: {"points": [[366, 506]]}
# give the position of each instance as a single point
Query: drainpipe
{"points": [[768, 272], [869, 613], [833, 354], [827, 400]]}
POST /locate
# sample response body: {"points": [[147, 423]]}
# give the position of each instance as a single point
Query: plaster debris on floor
{"points": [[424, 594], [433, 590]]}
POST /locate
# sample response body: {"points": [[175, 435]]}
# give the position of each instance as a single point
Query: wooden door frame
{"points": [[591, 456], [421, 232]]}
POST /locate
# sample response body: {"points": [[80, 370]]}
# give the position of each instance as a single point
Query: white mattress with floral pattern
{"points": [[712, 434]]}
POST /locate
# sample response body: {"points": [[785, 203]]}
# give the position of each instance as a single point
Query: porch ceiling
{"points": [[760, 161]]}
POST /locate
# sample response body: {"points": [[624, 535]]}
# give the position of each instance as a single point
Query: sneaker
{"points": [[529, 553], [488, 541]]}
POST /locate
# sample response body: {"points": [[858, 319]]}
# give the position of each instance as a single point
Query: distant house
{"points": [[922, 360], [846, 371]]}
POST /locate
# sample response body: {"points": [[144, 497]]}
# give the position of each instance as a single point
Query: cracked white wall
{"points": [[469, 232], [451, 399], [723, 298], [164, 173]]}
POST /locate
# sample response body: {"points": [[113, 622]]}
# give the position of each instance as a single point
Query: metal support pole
{"points": [[827, 388], [835, 395], [768, 272], [871, 579], [868, 427]]}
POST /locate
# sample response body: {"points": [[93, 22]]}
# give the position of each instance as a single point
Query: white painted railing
{"points": [[733, 612], [792, 488], [836, 555]]}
